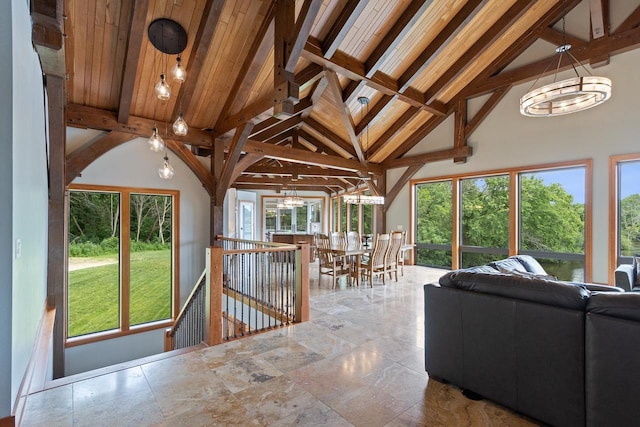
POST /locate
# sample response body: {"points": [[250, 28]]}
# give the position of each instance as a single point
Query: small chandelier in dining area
{"points": [[291, 201], [566, 96]]}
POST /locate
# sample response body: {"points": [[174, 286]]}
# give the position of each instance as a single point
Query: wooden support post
{"points": [[213, 300], [302, 283], [57, 247], [286, 90]]}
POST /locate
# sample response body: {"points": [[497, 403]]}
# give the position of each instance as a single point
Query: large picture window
{"points": [[302, 219], [464, 221], [121, 271], [625, 231]]}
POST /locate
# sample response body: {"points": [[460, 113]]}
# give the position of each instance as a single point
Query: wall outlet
{"points": [[18, 248]]}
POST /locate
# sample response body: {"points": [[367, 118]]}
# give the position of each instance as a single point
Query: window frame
{"points": [[124, 285], [615, 258], [309, 200], [514, 214]]}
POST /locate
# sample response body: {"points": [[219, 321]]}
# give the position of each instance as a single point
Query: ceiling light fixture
{"points": [[291, 201], [359, 198], [180, 127], [166, 170], [567, 96], [156, 143], [178, 73]]}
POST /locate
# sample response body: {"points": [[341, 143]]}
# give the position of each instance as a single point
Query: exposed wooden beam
{"points": [[600, 26], [309, 171], [459, 127], [95, 118], [397, 126], [320, 146], [353, 69], [208, 24], [614, 44], [519, 46], [283, 80], [484, 111], [332, 136], [378, 109], [558, 38], [398, 31], [440, 42], [78, 160], [246, 161], [416, 137], [235, 149], [204, 176], [599, 18], [276, 187], [503, 24], [47, 35], [434, 156], [255, 57], [280, 137], [306, 18], [345, 116], [338, 31], [132, 56], [280, 127], [287, 181], [307, 157], [399, 185], [631, 22], [246, 114]]}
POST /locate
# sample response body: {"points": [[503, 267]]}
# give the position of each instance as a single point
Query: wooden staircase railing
{"points": [[247, 287]]}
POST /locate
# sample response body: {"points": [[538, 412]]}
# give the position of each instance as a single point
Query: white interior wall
{"points": [[507, 139], [133, 165], [23, 182]]}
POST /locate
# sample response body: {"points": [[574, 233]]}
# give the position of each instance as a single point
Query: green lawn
{"points": [[94, 296]]}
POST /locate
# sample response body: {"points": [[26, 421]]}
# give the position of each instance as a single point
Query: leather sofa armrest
{"points": [[624, 276], [595, 287]]}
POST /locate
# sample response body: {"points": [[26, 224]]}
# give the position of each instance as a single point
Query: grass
{"points": [[94, 295]]}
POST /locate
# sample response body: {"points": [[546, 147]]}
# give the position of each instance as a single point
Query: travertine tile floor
{"points": [[358, 361]]}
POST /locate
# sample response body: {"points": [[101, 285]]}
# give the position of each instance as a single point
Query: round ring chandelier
{"points": [[566, 96]]}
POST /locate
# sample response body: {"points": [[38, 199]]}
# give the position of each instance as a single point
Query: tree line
{"points": [[95, 221]]}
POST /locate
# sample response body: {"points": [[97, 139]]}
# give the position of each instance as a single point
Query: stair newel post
{"points": [[302, 283], [213, 304]]}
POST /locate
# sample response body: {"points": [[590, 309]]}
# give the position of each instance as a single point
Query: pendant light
{"points": [[163, 90], [178, 73], [156, 143], [166, 170], [180, 127]]}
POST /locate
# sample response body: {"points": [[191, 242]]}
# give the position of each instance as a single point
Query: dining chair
{"points": [[402, 252], [328, 263], [353, 240], [375, 265], [391, 258]]}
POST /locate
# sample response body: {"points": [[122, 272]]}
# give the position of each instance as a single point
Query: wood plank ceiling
{"points": [[275, 83]]}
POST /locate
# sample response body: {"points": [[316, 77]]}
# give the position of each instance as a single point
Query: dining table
{"points": [[353, 253]]}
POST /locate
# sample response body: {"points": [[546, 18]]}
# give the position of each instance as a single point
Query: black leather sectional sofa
{"points": [[563, 353]]}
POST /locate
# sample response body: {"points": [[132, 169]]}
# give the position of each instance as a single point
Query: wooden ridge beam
{"points": [[338, 31], [210, 18], [434, 156], [307, 157], [255, 57], [286, 180], [132, 56], [199, 170], [95, 118], [503, 24], [78, 160]]}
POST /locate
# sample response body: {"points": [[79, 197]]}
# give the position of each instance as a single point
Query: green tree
{"points": [[630, 225]]}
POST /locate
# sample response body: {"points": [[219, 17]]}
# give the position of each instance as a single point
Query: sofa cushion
{"points": [[528, 274], [529, 263], [520, 287], [509, 264], [622, 305], [447, 279]]}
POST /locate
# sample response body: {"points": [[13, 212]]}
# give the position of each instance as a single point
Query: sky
{"points": [[630, 178], [572, 180]]}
